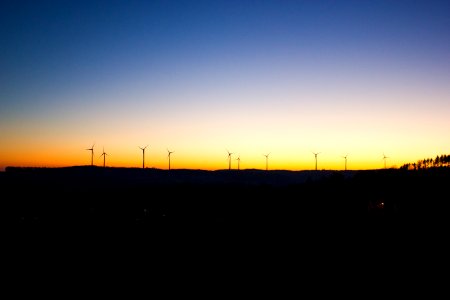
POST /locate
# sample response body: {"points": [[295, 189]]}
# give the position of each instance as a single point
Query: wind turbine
{"points": [[92, 154], [168, 155], [315, 156], [239, 162], [143, 155], [345, 157], [104, 156], [384, 158], [267, 160], [229, 160]]}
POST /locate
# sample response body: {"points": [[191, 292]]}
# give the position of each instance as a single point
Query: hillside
{"points": [[87, 198]]}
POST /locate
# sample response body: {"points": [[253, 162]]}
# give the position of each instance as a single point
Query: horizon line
{"points": [[191, 169]]}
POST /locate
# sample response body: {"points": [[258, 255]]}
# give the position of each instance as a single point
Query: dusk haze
{"points": [[365, 84]]}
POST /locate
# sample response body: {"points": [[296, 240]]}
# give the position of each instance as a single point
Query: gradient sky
{"points": [[289, 78]]}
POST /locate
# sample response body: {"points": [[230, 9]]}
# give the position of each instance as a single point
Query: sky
{"points": [[362, 79]]}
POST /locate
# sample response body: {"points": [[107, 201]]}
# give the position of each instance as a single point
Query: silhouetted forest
{"points": [[439, 161]]}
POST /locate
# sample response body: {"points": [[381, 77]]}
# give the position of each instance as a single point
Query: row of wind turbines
{"points": [[315, 156], [239, 160], [104, 155], [229, 158]]}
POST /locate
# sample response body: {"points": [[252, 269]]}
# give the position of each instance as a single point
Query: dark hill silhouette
{"points": [[189, 176], [89, 198]]}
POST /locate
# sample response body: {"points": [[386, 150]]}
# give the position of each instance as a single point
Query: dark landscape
{"points": [[84, 199], [231, 222]]}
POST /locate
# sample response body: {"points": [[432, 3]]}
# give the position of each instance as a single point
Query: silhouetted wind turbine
{"points": [[229, 160], [92, 154], [104, 156], [267, 160], [384, 158], [239, 162], [345, 157], [168, 155], [143, 155], [315, 156]]}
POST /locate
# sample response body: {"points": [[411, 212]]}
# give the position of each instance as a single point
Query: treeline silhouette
{"points": [[439, 161]]}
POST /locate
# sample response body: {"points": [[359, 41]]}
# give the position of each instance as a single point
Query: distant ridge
{"points": [[191, 176]]}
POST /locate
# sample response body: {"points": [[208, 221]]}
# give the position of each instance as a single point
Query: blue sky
{"points": [[210, 75]]}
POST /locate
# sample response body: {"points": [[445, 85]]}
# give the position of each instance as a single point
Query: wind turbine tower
{"points": [[239, 162], [143, 156], [384, 158], [229, 160], [104, 156], [345, 157], [315, 156], [267, 160], [92, 154], [168, 155]]}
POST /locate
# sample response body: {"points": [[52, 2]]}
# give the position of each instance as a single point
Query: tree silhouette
{"points": [[439, 161]]}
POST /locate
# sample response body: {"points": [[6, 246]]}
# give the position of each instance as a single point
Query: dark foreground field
{"points": [[324, 220], [80, 199]]}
